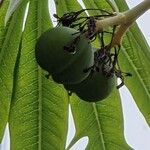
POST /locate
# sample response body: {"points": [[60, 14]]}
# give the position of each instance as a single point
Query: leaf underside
{"points": [[39, 108], [135, 58], [9, 44]]}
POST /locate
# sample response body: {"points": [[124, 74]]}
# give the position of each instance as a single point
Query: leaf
{"points": [[39, 108], [13, 5], [102, 122], [64, 6], [102, 4], [3, 10], [3, 116], [9, 44], [135, 58]]}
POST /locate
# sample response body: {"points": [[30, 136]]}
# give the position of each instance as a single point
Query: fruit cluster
{"points": [[65, 52]]}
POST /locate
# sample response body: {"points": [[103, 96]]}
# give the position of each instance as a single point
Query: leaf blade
{"points": [[13, 5], [135, 58], [64, 6], [9, 44], [102, 122], [39, 106]]}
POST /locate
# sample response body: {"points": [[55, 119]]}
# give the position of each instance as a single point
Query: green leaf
{"points": [[3, 9], [64, 6], [102, 4], [9, 43], [135, 58], [39, 108], [102, 122], [13, 5]]}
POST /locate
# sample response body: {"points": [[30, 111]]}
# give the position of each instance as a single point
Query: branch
{"points": [[123, 20]]}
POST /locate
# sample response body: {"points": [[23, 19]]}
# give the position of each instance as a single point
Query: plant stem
{"points": [[110, 21], [134, 13], [124, 17], [123, 21], [117, 38]]}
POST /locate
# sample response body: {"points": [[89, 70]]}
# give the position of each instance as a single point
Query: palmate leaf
{"points": [[135, 58], [9, 43], [102, 122], [39, 108]]}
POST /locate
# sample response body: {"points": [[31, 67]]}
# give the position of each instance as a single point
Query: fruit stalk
{"points": [[123, 20], [125, 17], [134, 13]]}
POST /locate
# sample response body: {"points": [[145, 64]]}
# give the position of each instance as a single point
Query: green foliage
{"points": [[38, 116], [13, 5], [102, 122], [37, 108], [9, 45], [135, 57]]}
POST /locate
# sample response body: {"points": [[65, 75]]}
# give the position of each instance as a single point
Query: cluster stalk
{"points": [[123, 21]]}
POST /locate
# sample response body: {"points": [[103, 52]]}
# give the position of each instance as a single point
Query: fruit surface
{"points": [[64, 66], [94, 88]]}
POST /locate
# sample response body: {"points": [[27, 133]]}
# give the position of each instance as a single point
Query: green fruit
{"points": [[95, 88], [64, 66], [99, 84]]}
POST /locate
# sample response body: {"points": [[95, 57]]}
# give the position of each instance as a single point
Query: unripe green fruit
{"points": [[94, 88], [100, 83], [64, 66]]}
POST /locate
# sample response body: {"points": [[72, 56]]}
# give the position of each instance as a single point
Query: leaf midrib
{"points": [[39, 31], [99, 126], [40, 106], [133, 66]]}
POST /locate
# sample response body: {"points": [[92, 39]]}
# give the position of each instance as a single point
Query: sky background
{"points": [[137, 132]]}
